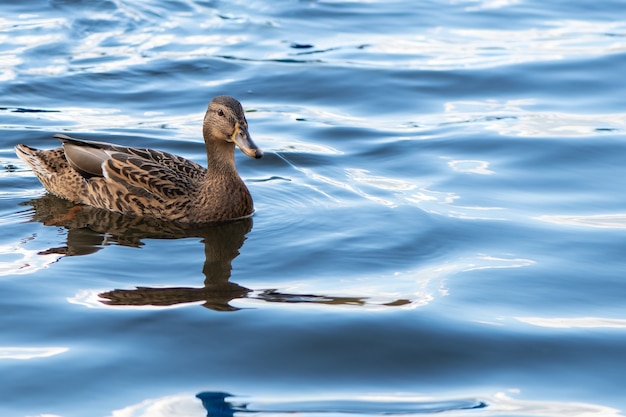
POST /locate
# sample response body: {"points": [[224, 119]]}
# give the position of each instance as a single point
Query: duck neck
{"points": [[223, 194], [221, 159]]}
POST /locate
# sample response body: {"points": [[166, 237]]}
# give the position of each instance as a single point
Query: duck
{"points": [[149, 183]]}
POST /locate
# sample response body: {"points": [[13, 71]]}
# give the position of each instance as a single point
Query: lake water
{"points": [[440, 221]]}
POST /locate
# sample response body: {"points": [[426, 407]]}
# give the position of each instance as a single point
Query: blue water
{"points": [[440, 221]]}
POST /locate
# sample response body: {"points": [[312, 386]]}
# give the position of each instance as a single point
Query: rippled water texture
{"points": [[440, 219]]}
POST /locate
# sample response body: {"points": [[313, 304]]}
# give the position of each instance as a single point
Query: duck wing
{"points": [[87, 156], [159, 173], [151, 176]]}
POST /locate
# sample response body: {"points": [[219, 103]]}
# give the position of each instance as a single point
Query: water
{"points": [[440, 223]]}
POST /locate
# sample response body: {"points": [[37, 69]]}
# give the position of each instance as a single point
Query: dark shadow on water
{"points": [[219, 404], [90, 230]]}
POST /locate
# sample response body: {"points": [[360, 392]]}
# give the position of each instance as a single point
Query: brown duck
{"points": [[150, 183]]}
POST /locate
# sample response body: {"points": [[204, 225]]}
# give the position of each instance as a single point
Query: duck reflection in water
{"points": [[89, 229]]}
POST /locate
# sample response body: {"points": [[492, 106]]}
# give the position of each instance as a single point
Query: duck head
{"points": [[225, 121]]}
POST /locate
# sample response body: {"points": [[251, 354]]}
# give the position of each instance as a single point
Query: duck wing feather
{"points": [[87, 157], [160, 173], [151, 176]]}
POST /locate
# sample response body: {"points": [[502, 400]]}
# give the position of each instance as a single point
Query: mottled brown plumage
{"points": [[151, 183]]}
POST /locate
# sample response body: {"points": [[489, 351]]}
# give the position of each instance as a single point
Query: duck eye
{"points": [[220, 113]]}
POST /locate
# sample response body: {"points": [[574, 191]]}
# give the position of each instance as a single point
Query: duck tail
{"points": [[44, 163], [28, 155]]}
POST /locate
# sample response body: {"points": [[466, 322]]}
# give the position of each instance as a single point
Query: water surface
{"points": [[439, 226]]}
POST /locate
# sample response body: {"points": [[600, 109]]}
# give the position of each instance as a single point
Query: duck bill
{"points": [[241, 137]]}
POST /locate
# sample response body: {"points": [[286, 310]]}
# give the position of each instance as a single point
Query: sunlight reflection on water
{"points": [[608, 221], [575, 322], [24, 353], [19, 260], [498, 404]]}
